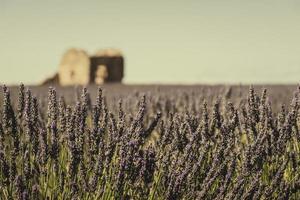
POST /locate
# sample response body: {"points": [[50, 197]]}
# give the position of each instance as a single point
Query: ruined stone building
{"points": [[79, 68]]}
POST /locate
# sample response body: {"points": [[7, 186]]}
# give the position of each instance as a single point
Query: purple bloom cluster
{"points": [[169, 147]]}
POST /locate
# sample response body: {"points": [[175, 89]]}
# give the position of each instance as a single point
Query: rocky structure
{"points": [[107, 66], [74, 68], [79, 68]]}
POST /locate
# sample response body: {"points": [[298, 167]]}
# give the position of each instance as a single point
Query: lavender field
{"points": [[150, 142]]}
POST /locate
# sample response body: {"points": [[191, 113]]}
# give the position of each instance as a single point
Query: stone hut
{"points": [[107, 66], [79, 68]]}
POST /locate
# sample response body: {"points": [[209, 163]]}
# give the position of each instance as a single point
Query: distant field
{"points": [[278, 94]]}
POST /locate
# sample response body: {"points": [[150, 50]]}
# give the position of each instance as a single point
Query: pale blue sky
{"points": [[254, 41]]}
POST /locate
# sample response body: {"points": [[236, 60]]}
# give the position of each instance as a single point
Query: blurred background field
{"points": [[188, 94]]}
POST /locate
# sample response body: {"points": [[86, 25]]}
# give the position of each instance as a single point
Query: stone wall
{"points": [[114, 66], [78, 68], [74, 68]]}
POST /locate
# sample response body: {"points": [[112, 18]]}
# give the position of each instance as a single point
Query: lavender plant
{"points": [[148, 146]]}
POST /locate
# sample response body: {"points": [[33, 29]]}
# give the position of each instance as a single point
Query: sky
{"points": [[180, 42]]}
